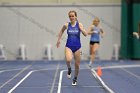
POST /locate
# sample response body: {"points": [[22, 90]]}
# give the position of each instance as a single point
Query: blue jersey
{"points": [[95, 37], [73, 35]]}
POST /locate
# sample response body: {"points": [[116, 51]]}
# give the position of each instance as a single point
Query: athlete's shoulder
{"points": [[66, 24], [92, 26], [80, 24]]}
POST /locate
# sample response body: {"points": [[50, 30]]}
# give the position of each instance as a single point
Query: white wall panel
{"points": [[38, 26]]}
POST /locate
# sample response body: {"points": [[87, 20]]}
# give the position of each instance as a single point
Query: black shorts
{"points": [[93, 42]]}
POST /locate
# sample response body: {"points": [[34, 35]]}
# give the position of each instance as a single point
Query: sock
{"points": [[75, 78], [69, 71]]}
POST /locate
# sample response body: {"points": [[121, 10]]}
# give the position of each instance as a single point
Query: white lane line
{"points": [[120, 66], [84, 86], [106, 67], [30, 74], [53, 84], [1, 72], [20, 82], [60, 81], [64, 86], [101, 81], [15, 76], [9, 70], [131, 73]]}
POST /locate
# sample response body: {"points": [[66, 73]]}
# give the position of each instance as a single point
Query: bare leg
{"points": [[93, 49], [68, 55], [77, 58], [77, 64]]}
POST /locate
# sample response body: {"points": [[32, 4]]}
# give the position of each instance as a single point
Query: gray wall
{"points": [[57, 1], [37, 26]]}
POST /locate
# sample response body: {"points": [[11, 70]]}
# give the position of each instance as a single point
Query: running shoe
{"points": [[69, 73], [74, 82], [90, 64]]}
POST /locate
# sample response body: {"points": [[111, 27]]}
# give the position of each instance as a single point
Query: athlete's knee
{"points": [[77, 64], [68, 59], [93, 52]]}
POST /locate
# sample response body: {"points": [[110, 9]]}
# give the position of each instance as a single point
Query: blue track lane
{"points": [[86, 82], [44, 77]]}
